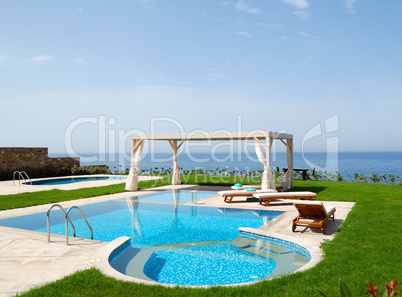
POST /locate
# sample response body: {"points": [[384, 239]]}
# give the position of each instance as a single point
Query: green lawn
{"points": [[367, 248], [54, 196]]}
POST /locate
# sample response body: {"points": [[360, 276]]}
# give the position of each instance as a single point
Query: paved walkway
{"points": [[27, 260], [10, 187]]}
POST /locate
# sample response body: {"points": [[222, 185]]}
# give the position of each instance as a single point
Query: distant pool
{"points": [[71, 180]]}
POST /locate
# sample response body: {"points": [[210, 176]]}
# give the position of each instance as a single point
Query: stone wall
{"points": [[34, 161]]}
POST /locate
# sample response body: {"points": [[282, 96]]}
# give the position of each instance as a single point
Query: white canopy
{"points": [[137, 142]]}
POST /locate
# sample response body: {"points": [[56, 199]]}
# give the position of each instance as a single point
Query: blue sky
{"points": [[74, 70]]}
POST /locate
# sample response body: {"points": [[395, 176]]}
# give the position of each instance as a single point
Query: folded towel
{"points": [[238, 185], [250, 190]]}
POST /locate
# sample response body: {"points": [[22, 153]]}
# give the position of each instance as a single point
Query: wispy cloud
{"points": [[42, 58], [143, 1], [349, 5], [146, 3], [269, 27], [240, 5], [299, 4], [302, 14], [244, 34], [309, 35], [5, 58], [79, 60], [214, 73]]}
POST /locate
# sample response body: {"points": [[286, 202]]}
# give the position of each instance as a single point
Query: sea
{"points": [[346, 164]]}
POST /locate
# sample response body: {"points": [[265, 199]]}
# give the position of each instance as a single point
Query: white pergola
{"points": [[177, 140]]}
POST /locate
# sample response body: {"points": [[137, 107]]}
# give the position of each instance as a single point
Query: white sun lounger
{"points": [[266, 198], [230, 194]]}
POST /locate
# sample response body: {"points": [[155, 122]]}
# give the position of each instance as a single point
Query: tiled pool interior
{"points": [[180, 244]]}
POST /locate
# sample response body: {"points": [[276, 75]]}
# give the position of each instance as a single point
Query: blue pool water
{"points": [[176, 196], [70, 180], [208, 265], [182, 244]]}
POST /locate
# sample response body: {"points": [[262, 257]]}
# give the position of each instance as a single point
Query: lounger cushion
{"points": [[246, 187], [285, 195], [308, 202], [243, 192], [328, 209]]}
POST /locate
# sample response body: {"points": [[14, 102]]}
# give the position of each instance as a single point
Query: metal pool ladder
{"points": [[67, 221], [23, 175]]}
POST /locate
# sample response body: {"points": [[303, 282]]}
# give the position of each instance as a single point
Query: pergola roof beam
{"points": [[215, 136]]}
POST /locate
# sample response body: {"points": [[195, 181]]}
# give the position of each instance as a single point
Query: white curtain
{"points": [[132, 180], [267, 181], [287, 179], [176, 169]]}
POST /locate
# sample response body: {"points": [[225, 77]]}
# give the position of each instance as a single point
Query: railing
{"points": [[67, 220], [21, 175], [68, 211]]}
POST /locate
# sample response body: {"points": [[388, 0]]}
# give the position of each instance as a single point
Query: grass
{"points": [[54, 196], [367, 248]]}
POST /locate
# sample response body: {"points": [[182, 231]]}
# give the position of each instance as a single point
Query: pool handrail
{"points": [[67, 213], [67, 220], [21, 174]]}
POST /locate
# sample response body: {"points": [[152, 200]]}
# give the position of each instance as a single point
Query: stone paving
{"points": [[11, 187]]}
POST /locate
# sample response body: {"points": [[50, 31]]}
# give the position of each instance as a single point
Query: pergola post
{"points": [[136, 151], [271, 182], [176, 169], [287, 179], [289, 158]]}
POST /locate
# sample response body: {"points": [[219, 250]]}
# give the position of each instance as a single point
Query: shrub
{"points": [[90, 169]]}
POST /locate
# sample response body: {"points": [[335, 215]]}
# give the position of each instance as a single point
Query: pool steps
{"points": [[285, 259], [183, 245], [242, 242], [131, 262]]}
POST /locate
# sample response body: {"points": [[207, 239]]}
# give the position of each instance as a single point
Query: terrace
{"points": [[328, 191]]}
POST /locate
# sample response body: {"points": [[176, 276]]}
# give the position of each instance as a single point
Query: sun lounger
{"points": [[313, 214], [266, 198], [230, 194]]}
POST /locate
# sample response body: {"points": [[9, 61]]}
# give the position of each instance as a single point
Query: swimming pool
{"points": [[70, 180], [177, 243]]}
